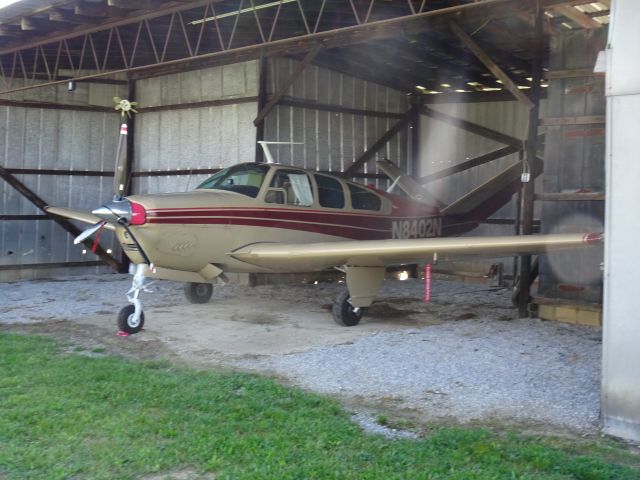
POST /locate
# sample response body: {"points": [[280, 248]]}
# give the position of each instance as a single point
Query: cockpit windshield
{"points": [[245, 179]]}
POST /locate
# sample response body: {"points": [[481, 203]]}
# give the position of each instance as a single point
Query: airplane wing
{"points": [[77, 215], [377, 253]]}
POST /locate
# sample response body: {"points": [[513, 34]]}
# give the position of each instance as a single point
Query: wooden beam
{"points": [[572, 13], [203, 104], [64, 223], [573, 73], [139, 4], [60, 15], [382, 141], [472, 127], [469, 97], [55, 106], [474, 162], [490, 64], [571, 197], [583, 120], [99, 10], [7, 30], [325, 107], [285, 86]]}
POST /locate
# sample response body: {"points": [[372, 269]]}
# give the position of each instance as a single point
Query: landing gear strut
{"points": [[131, 317], [344, 313]]}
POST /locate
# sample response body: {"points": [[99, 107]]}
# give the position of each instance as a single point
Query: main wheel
{"points": [[344, 313], [198, 292], [127, 322]]}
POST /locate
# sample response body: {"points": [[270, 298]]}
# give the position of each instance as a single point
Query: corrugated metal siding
{"points": [[574, 160], [55, 139], [443, 146], [332, 141], [204, 137]]}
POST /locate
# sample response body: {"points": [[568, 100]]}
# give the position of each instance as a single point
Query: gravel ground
{"points": [[461, 358]]}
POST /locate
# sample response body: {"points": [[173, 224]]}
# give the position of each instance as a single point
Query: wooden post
{"points": [[262, 101], [526, 279]]}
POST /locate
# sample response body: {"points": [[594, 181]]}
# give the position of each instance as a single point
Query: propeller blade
{"points": [[120, 177], [88, 232]]}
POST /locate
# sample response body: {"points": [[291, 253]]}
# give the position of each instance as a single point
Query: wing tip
{"points": [[593, 238]]}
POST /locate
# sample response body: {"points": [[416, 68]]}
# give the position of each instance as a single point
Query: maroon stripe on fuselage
{"points": [[343, 231], [341, 224]]}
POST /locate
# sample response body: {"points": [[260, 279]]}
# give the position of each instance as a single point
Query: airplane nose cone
{"points": [[114, 211]]}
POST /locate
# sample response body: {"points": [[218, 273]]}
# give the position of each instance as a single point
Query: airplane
{"points": [[268, 217]]}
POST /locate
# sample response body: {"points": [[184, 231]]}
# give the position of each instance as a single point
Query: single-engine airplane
{"points": [[266, 217]]}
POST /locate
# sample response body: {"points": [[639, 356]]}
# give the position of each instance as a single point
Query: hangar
{"points": [[493, 96]]}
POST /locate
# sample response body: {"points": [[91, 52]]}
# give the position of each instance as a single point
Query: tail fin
{"points": [[407, 184]]}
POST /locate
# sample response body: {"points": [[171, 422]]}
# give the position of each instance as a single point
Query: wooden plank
{"points": [[490, 64], [572, 13], [472, 127], [77, 173], [64, 223], [584, 120], [382, 141], [474, 162], [312, 105], [55, 106], [203, 104], [572, 73], [285, 86], [571, 197]]}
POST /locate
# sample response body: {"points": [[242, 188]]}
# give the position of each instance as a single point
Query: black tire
{"points": [[344, 313], [198, 292], [125, 320]]}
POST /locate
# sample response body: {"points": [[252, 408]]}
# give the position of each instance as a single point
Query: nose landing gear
{"points": [[131, 317]]}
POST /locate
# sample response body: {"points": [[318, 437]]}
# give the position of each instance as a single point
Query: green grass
{"points": [[72, 416]]}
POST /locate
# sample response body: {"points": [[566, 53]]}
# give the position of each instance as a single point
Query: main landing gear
{"points": [[198, 292], [362, 285], [344, 313]]}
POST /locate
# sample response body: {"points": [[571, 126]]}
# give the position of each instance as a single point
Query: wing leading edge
{"points": [[378, 253]]}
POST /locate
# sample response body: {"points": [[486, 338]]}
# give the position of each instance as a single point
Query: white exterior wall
{"points": [[621, 343]]}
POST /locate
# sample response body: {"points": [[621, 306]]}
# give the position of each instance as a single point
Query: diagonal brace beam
{"points": [[472, 127], [490, 64], [292, 78], [67, 225], [382, 141]]}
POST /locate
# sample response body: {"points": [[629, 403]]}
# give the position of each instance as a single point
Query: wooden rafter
{"points": [[572, 13], [491, 65], [472, 127]]}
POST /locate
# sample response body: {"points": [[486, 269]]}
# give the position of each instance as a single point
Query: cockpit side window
{"points": [[245, 179], [330, 194], [363, 199], [291, 187]]}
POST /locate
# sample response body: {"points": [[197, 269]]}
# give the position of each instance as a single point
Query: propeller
{"points": [[119, 210], [125, 106]]}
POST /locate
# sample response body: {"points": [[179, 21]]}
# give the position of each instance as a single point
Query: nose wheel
{"points": [[128, 321], [344, 313]]}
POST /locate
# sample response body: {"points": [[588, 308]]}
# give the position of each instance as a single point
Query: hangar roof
{"points": [[409, 45]]}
